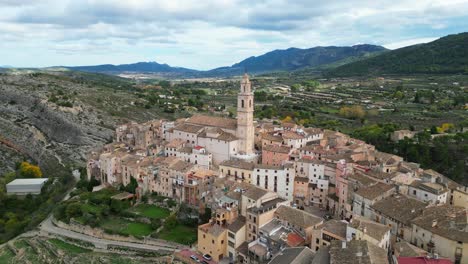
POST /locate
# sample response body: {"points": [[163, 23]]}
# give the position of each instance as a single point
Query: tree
{"points": [[131, 187], [27, 170], [171, 222], [73, 210], [352, 112], [155, 223], [295, 87], [204, 218]]}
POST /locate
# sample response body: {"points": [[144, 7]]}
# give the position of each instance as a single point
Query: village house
{"points": [[460, 197], [275, 155], [237, 170], [236, 236], [279, 179], [365, 197], [397, 211], [365, 229], [428, 192], [197, 186], [442, 230], [324, 234], [212, 240], [356, 251], [259, 214]]}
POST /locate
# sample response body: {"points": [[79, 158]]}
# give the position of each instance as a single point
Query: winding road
{"points": [[47, 228]]}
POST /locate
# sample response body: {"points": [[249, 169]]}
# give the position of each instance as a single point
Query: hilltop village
{"points": [[282, 193]]}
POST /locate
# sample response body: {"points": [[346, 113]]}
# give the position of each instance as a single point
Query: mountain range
{"points": [[447, 55], [277, 60]]}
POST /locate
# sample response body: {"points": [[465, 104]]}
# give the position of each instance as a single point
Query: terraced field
{"points": [[46, 250]]}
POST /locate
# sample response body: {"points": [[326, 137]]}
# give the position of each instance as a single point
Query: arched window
{"points": [[242, 103]]}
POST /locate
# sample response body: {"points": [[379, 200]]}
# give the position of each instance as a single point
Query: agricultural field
{"points": [[181, 234], [150, 211], [98, 209], [53, 250]]}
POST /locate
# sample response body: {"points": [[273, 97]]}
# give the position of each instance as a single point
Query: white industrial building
{"points": [[26, 186]]}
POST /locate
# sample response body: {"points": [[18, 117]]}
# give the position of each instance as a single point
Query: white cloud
{"points": [[209, 33]]}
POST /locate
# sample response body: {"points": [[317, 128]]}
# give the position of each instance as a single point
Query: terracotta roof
{"points": [[275, 148], [400, 207], [297, 217], [272, 137], [294, 240], [175, 143], [366, 181], [189, 128], [313, 130], [356, 251], [213, 121], [240, 164], [374, 191], [219, 134], [237, 224], [422, 260], [371, 228], [294, 255], [335, 227], [213, 229], [292, 135], [405, 249], [255, 193], [433, 188], [446, 221], [181, 166]]}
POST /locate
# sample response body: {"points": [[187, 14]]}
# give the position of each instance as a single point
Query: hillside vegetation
{"points": [[446, 55]]}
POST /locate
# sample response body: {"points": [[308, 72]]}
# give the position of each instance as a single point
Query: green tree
{"points": [[73, 210], [206, 216], [171, 222]]}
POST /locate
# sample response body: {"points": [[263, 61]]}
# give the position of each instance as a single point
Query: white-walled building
{"points": [[428, 192], [442, 230], [279, 179], [365, 229]]}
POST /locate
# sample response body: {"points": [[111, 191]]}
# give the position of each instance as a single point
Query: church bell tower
{"points": [[245, 110]]}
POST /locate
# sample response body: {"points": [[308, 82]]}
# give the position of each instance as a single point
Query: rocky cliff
{"points": [[34, 127]]}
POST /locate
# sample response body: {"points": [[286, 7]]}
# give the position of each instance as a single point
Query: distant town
{"points": [[278, 192]]}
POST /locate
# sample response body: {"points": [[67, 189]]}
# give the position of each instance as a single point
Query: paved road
{"points": [[48, 227]]}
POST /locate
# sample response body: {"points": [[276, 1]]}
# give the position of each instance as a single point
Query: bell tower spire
{"points": [[245, 109]]}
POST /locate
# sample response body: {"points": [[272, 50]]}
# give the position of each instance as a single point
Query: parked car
{"points": [[195, 258], [207, 257], [204, 262], [328, 217]]}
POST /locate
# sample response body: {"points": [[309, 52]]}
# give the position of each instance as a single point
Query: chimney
{"points": [[343, 244], [434, 223], [365, 230]]}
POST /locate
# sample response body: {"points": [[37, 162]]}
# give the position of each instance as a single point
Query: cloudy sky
{"points": [[205, 34]]}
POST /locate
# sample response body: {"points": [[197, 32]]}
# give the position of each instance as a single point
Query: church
{"points": [[225, 138]]}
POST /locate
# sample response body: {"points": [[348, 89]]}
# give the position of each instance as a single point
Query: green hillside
{"points": [[445, 55]]}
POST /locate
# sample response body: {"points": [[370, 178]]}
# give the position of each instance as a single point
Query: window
{"points": [[414, 192], [231, 235], [242, 103]]}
